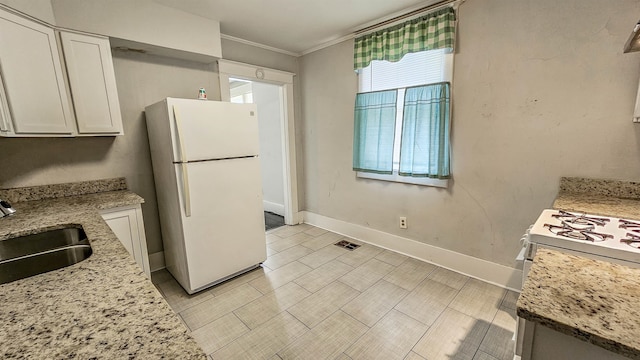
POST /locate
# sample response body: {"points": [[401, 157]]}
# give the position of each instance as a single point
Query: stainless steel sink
{"points": [[30, 255]]}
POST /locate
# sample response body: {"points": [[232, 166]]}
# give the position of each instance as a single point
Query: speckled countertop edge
{"points": [[598, 205], [598, 197], [40, 192], [102, 307], [560, 293], [601, 187]]}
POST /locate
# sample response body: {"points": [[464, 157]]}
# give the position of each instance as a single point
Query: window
{"points": [[402, 110], [413, 70]]}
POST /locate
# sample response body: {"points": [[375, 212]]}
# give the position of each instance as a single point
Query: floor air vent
{"points": [[347, 245]]}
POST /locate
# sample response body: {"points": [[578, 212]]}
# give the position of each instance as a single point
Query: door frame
{"points": [[284, 80]]}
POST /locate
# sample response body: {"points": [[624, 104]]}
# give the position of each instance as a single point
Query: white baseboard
{"points": [[273, 207], [484, 270], [156, 261]]}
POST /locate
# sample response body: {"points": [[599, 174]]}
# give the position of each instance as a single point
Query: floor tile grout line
{"points": [[408, 292], [360, 337], [263, 295], [244, 323], [294, 340], [300, 320], [418, 284], [386, 262], [385, 314], [441, 314], [409, 316], [487, 333], [382, 317], [238, 336], [327, 317]]}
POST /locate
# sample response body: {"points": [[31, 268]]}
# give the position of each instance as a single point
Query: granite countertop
{"points": [[103, 307], [592, 300], [599, 197], [598, 205]]}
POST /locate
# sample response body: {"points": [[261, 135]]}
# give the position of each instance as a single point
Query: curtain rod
{"points": [[439, 4]]}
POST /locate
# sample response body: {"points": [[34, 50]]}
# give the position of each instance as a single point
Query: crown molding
{"points": [[259, 45]]}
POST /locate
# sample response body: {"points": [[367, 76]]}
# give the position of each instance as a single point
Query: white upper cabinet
{"points": [[40, 96], [93, 83], [33, 80]]}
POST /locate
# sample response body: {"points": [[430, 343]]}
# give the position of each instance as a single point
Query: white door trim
{"points": [[283, 79]]}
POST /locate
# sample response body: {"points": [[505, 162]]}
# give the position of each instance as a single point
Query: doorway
{"points": [[268, 100], [272, 92]]}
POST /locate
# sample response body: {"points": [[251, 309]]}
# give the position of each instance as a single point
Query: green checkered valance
{"points": [[433, 31]]}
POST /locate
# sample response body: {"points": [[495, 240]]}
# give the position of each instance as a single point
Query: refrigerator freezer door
{"points": [[205, 130], [225, 232]]}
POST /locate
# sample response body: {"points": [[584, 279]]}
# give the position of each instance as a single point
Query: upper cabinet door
{"points": [[32, 74], [93, 83]]}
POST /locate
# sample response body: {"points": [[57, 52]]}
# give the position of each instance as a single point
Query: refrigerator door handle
{"points": [[183, 151], [185, 189], [183, 161]]}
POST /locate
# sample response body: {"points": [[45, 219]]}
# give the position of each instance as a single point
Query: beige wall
{"points": [[40, 9], [142, 21], [141, 80], [541, 90], [236, 51]]}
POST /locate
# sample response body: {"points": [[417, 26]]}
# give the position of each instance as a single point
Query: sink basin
{"points": [[30, 255]]}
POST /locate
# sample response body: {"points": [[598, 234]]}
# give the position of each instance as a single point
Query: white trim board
{"points": [[156, 261], [273, 207], [259, 45], [480, 269]]}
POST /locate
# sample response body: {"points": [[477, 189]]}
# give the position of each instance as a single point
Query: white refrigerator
{"points": [[209, 189]]}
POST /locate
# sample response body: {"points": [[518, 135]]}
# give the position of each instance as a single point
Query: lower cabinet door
{"points": [[126, 223]]}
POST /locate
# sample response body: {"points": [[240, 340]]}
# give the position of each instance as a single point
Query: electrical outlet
{"points": [[403, 222]]}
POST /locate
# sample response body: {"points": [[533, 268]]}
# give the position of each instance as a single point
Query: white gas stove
{"points": [[600, 237], [597, 237]]}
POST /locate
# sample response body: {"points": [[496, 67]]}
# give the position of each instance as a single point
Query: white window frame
{"points": [[395, 177]]}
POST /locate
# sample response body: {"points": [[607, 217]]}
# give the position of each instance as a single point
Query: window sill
{"points": [[404, 179]]}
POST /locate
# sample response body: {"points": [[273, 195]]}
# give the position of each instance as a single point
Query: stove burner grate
{"points": [[632, 240], [578, 233], [630, 225], [580, 219]]}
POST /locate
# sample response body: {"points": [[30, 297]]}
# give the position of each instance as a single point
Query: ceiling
{"points": [[294, 26]]}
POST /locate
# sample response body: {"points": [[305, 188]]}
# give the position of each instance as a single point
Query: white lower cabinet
{"points": [[543, 343], [127, 224]]}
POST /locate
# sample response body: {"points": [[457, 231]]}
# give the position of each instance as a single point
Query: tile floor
{"points": [[314, 300]]}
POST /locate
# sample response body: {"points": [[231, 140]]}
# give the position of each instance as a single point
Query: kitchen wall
{"points": [[40, 9], [141, 80], [541, 90], [142, 21]]}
